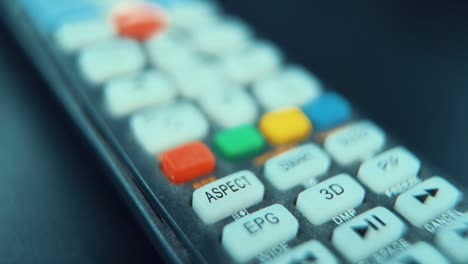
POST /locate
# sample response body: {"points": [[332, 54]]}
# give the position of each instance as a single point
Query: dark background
{"points": [[404, 63]]}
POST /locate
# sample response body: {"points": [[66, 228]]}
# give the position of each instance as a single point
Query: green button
{"points": [[239, 142]]}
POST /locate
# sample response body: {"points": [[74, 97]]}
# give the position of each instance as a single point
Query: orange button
{"points": [[139, 21], [188, 162]]}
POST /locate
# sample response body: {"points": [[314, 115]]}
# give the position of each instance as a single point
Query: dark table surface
{"points": [[405, 64]]}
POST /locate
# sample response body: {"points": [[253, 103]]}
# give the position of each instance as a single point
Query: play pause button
{"points": [[367, 233]]}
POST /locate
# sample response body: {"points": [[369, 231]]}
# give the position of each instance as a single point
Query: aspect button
{"points": [[139, 21], [163, 128], [251, 235], [453, 240], [328, 111], [296, 166], [420, 252], [308, 252], [327, 199], [188, 162], [239, 142], [358, 141], [223, 197], [427, 200], [388, 169], [367, 233], [285, 126]]}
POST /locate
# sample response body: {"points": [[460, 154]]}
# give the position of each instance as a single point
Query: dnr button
{"points": [[226, 196], [253, 234]]}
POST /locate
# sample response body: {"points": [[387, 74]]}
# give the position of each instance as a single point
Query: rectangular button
{"points": [[367, 233], [125, 95], [328, 111], [160, 129], [104, 61], [75, 35], [230, 107], [427, 200], [228, 195], [358, 141], [239, 142], [293, 86], [453, 240], [421, 252], [187, 162], [327, 199], [308, 252], [388, 169], [296, 166], [249, 236]]}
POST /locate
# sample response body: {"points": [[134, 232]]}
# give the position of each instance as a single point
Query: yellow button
{"points": [[285, 126]]}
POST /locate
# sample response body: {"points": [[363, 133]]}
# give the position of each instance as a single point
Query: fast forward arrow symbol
{"points": [[422, 198]]}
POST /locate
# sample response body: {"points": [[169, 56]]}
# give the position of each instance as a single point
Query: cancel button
{"points": [[226, 196]]}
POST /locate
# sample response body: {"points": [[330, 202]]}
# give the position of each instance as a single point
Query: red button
{"points": [[139, 21], [188, 162]]}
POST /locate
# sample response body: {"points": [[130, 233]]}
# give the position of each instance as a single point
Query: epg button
{"points": [[226, 196], [253, 234]]}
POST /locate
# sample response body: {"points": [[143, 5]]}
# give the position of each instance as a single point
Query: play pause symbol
{"points": [[373, 222]]}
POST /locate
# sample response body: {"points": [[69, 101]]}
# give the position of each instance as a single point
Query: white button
{"points": [[296, 166], [427, 200], [453, 240], [171, 53], [192, 16], [327, 199], [249, 236], [358, 141], [110, 59], [76, 35], [127, 95], [159, 129], [420, 252], [223, 38], [308, 252], [230, 106], [226, 196], [257, 62], [367, 233], [389, 169], [195, 82], [293, 86]]}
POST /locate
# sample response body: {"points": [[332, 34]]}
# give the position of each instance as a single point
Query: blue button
{"points": [[328, 111]]}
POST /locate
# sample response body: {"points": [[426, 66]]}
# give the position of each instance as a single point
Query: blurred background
{"points": [[404, 63]]}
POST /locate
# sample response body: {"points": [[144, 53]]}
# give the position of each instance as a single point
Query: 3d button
{"points": [[293, 86], [103, 61], [187, 162], [327, 199], [328, 111], [239, 142], [427, 200], [420, 252], [255, 63], [125, 95], [139, 21], [163, 128], [453, 240], [296, 166], [285, 126], [76, 35], [226, 196], [388, 169], [367, 233], [230, 107], [358, 141], [308, 252], [259, 231]]}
